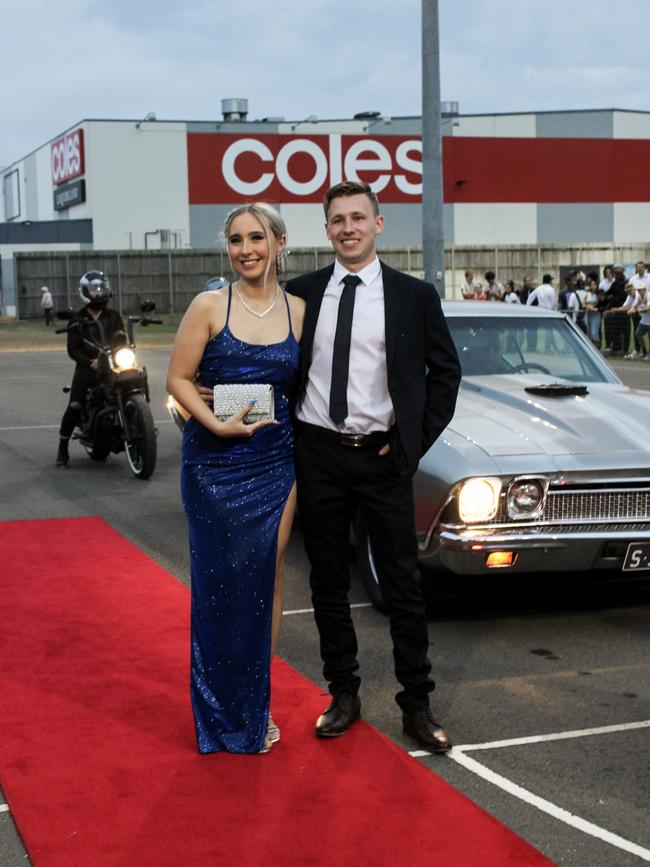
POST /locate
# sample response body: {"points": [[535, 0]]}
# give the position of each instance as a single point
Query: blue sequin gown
{"points": [[234, 492]]}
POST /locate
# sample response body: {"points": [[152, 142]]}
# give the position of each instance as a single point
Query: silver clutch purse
{"points": [[230, 398]]}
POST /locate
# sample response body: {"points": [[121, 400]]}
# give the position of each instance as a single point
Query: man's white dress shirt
{"points": [[369, 405]]}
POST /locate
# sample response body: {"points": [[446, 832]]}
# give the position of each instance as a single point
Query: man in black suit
{"points": [[379, 379]]}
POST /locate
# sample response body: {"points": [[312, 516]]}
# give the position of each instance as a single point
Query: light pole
{"points": [[433, 241]]}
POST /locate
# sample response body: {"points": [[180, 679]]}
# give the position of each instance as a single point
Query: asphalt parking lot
{"points": [[544, 685]]}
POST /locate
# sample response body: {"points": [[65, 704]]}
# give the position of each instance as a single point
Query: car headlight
{"points": [[525, 498], [124, 358], [478, 499]]}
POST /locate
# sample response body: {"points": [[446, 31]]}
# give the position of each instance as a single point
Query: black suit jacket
{"points": [[421, 360]]}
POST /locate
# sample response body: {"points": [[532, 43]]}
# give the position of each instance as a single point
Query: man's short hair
{"points": [[547, 278], [350, 188], [490, 275]]}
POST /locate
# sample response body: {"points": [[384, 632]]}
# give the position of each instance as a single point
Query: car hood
{"points": [[498, 416]]}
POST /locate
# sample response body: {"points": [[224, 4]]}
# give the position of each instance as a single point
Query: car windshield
{"points": [[493, 346]]}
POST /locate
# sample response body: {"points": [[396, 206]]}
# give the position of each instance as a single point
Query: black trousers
{"points": [[617, 331], [333, 479], [83, 379]]}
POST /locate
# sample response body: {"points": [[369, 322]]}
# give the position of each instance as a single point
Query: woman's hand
{"points": [[236, 427], [205, 393]]}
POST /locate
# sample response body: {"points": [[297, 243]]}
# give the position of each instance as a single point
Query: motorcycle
{"points": [[116, 415]]}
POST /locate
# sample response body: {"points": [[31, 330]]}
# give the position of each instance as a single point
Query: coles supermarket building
{"points": [[509, 179]]}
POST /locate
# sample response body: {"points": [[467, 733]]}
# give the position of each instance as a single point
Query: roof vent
{"points": [[367, 115], [449, 108], [234, 109]]}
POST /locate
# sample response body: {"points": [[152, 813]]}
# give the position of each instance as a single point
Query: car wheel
{"points": [[434, 583]]}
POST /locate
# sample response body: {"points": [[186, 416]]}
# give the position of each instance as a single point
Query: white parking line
{"points": [[32, 427], [458, 754], [4, 808], [57, 426], [547, 807], [311, 611], [556, 736]]}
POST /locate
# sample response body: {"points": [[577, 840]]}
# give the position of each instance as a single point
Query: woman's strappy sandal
{"points": [[272, 731], [272, 736]]}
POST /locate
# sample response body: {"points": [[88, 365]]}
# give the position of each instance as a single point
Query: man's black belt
{"points": [[352, 440]]}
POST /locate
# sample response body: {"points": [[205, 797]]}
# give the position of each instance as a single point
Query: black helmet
{"points": [[95, 289]]}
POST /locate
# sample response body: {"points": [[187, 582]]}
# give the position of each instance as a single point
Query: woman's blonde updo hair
{"points": [[272, 224]]}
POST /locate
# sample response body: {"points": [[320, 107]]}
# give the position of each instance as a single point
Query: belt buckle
{"points": [[355, 441]]}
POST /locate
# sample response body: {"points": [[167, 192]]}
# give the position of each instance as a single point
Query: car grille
{"points": [[586, 506]]}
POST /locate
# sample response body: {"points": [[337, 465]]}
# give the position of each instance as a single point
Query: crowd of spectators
{"points": [[608, 310]]}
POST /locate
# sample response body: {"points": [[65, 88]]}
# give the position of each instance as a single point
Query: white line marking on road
{"points": [[556, 736], [547, 807], [4, 808], [32, 427], [57, 426], [458, 754], [311, 610]]}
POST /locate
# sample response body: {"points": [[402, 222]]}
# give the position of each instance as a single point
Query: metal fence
{"points": [[172, 278]]}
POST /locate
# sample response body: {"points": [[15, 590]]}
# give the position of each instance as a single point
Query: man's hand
{"points": [[384, 449]]}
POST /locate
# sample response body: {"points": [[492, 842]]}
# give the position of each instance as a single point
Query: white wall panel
{"points": [[631, 222], [136, 182], [45, 189], [305, 225], [631, 125], [322, 127], [501, 223], [503, 126]]}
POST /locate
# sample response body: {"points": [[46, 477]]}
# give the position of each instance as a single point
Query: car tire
{"points": [[433, 581]]}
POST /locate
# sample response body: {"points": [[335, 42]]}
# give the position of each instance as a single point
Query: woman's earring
{"points": [[279, 261]]}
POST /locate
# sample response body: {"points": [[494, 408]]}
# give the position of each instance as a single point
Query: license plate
{"points": [[637, 557]]}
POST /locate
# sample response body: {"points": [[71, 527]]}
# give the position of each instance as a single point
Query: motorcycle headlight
{"points": [[124, 358], [478, 499], [525, 498]]}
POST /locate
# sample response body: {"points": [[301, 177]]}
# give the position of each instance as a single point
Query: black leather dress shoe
{"points": [[339, 716], [422, 727]]}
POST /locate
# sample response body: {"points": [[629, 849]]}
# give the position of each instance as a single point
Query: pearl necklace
{"points": [[255, 312]]}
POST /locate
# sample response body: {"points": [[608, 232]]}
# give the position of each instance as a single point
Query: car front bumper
{"points": [[544, 549]]}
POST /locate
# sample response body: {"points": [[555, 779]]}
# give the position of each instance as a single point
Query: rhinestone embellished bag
{"points": [[232, 397]]}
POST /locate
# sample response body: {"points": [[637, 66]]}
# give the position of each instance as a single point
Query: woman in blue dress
{"points": [[237, 483]]}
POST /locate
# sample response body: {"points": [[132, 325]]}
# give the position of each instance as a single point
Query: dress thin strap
{"points": [[229, 302], [286, 301]]}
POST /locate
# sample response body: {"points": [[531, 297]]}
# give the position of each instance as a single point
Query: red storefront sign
{"points": [[287, 168], [67, 157], [282, 168]]}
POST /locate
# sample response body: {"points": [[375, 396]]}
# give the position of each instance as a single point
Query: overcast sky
{"points": [[74, 59]]}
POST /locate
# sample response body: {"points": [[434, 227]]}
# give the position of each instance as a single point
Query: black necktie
{"points": [[341, 355]]}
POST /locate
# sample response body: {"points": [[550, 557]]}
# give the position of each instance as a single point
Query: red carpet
{"points": [[97, 754]]}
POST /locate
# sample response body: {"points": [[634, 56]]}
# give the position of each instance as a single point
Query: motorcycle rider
{"points": [[95, 290]]}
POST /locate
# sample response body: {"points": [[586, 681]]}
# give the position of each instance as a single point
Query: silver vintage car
{"points": [[546, 463]]}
